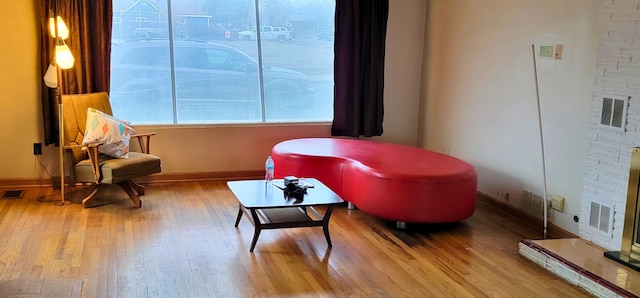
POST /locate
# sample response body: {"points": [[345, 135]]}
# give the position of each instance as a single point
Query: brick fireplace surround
{"points": [[609, 150], [581, 261]]}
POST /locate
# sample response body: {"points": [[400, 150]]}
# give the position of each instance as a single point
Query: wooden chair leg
{"points": [[127, 188], [137, 187], [90, 197]]}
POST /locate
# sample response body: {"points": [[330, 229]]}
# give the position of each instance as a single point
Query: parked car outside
{"points": [[279, 33], [207, 76]]}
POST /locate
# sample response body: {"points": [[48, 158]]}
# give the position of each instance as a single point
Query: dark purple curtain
{"points": [[361, 29], [89, 39]]}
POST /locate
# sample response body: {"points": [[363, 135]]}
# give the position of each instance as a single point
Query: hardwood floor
{"points": [[182, 243]]}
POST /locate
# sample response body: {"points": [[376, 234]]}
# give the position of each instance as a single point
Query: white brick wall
{"points": [[608, 153]]}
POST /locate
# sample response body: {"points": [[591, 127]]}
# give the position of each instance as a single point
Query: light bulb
{"points": [[64, 58], [63, 31], [51, 77]]}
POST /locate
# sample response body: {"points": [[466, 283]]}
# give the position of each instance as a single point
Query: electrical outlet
{"points": [[37, 148], [503, 195], [557, 203]]}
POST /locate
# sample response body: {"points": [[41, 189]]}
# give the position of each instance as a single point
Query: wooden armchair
{"points": [[88, 165]]}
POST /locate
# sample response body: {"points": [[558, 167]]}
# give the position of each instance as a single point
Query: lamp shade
{"points": [[51, 76], [63, 31], [64, 58]]}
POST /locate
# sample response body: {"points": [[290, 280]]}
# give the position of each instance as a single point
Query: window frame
{"points": [[175, 120]]}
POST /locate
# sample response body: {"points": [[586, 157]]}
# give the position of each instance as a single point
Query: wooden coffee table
{"points": [[270, 209]]}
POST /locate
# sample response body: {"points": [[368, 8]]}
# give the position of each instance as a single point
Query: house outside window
{"points": [[203, 62]]}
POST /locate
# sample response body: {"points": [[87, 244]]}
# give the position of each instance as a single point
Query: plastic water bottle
{"points": [[268, 169]]}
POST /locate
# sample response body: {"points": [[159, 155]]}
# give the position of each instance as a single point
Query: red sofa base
{"points": [[391, 181]]}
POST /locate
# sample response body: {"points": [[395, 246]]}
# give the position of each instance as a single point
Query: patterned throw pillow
{"points": [[114, 134]]}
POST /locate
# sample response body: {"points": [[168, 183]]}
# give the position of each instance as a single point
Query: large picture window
{"points": [[222, 61]]}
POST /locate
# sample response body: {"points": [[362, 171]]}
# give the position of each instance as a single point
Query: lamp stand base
{"points": [[62, 203]]}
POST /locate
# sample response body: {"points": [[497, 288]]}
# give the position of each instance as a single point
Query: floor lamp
{"points": [[63, 59]]}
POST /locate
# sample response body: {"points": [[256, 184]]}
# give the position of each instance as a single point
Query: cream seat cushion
{"points": [[115, 170]]}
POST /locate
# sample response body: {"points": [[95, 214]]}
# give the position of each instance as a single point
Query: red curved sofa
{"points": [[391, 181]]}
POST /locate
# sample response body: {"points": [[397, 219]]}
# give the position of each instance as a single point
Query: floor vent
{"points": [[532, 203], [12, 194]]}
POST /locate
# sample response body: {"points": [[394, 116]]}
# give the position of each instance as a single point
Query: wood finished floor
{"points": [[182, 243]]}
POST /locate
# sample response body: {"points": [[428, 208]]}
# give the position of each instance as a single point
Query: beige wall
{"points": [[479, 101], [478, 97], [189, 149], [20, 120]]}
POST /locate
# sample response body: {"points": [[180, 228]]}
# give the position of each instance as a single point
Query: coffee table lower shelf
{"points": [[285, 217]]}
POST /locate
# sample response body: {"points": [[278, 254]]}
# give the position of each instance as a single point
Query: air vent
{"points": [[600, 217], [12, 194], [614, 111], [532, 203]]}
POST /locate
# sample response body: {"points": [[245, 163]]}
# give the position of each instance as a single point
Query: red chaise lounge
{"points": [[395, 182]]}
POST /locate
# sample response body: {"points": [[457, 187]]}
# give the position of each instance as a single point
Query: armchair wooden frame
{"points": [[88, 156]]}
